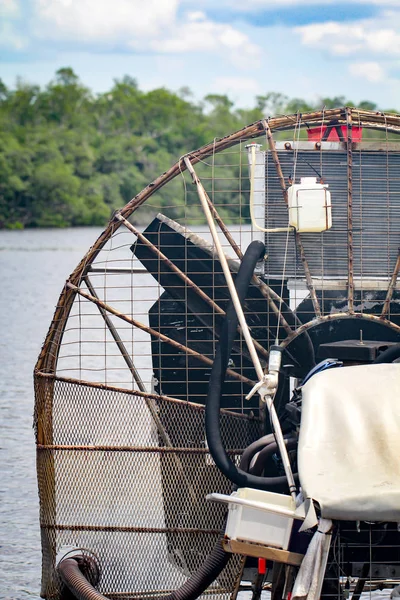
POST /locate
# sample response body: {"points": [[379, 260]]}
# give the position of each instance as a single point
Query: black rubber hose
{"points": [[240, 478], [251, 451], [216, 561], [388, 356], [267, 452]]}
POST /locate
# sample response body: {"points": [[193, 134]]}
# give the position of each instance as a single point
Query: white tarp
{"points": [[349, 446], [311, 574]]}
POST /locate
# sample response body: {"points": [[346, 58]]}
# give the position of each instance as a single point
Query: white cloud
{"points": [[346, 39], [371, 71], [102, 20], [200, 34], [149, 25]]}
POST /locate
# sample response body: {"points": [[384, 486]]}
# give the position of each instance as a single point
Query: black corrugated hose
{"points": [[239, 477]]}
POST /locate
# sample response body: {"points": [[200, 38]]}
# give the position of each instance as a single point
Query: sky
{"points": [[301, 48]]}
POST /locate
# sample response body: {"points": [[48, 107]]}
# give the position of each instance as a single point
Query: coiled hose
{"points": [[239, 477]]}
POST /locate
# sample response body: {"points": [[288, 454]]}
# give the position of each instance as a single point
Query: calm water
{"points": [[33, 267]]}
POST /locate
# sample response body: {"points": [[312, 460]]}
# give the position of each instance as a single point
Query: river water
{"points": [[34, 264]]}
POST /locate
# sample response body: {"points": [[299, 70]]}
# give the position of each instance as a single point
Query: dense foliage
{"points": [[68, 157]]}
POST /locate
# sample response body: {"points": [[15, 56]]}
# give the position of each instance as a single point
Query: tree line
{"points": [[69, 157]]}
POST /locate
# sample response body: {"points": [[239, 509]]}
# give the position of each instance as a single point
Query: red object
{"points": [[318, 134], [262, 566], [289, 596]]}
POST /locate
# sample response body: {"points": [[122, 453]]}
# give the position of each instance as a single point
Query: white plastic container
{"points": [[310, 208], [266, 526]]}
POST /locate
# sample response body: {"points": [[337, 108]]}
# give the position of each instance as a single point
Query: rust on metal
{"points": [[154, 333], [183, 275], [350, 253], [138, 449], [127, 529], [48, 357], [338, 316], [391, 287], [275, 158], [149, 401], [299, 243], [116, 337], [112, 388]]}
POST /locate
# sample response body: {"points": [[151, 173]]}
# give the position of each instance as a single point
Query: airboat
{"points": [[217, 398]]}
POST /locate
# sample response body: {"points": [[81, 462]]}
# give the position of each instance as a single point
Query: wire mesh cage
{"points": [[122, 378]]}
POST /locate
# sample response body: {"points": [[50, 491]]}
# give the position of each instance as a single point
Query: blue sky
{"points": [[307, 49]]}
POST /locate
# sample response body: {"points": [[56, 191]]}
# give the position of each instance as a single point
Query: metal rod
{"points": [[139, 449], [361, 581], [66, 527], [350, 257], [242, 320], [117, 270], [154, 333], [117, 338], [391, 287], [307, 273], [159, 397], [275, 158], [299, 243], [181, 274]]}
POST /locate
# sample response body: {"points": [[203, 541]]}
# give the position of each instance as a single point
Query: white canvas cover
{"points": [[349, 446]]}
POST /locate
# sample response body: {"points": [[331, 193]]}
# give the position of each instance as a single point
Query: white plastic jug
{"points": [[310, 208]]}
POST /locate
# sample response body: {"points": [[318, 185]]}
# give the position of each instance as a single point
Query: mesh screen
{"points": [[126, 475]]}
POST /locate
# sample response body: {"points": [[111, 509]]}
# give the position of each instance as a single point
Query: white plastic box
{"points": [[269, 526], [310, 208]]}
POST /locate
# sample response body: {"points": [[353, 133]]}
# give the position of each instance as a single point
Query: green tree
{"points": [[68, 157]]}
